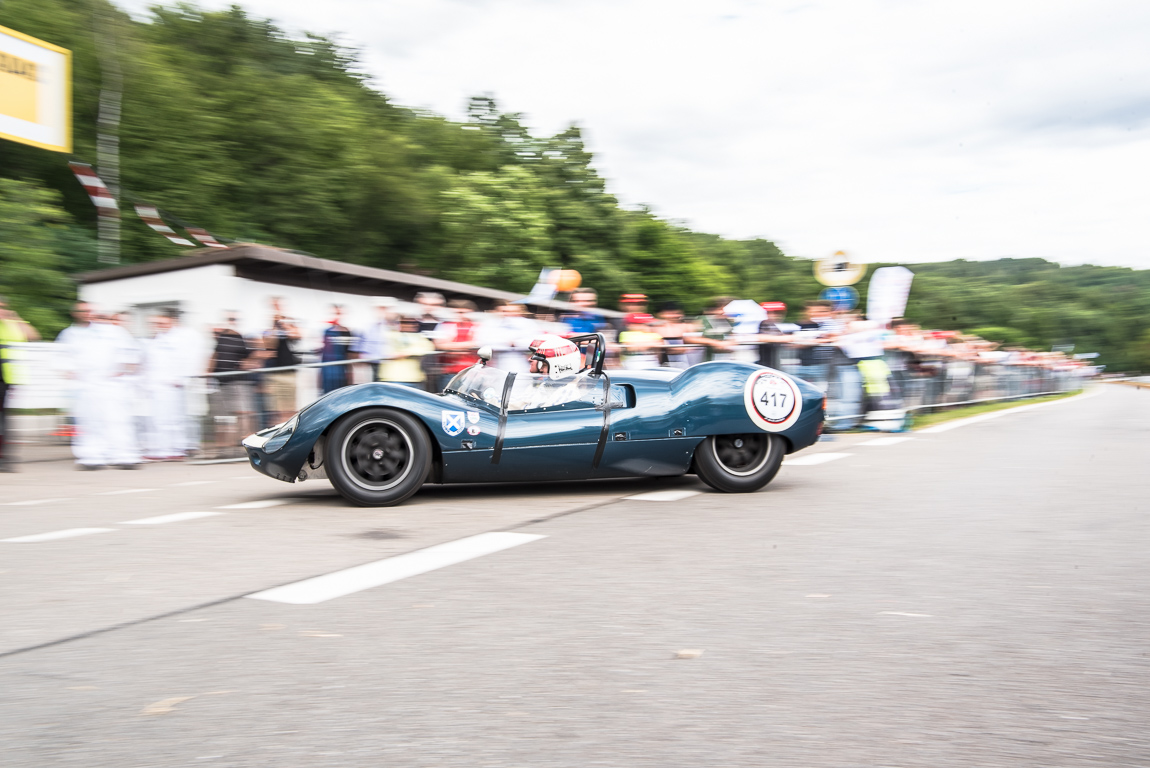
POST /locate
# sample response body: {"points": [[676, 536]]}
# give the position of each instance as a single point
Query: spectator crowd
{"points": [[133, 395]]}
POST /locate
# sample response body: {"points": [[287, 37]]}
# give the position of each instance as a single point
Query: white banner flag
{"points": [[886, 297]]}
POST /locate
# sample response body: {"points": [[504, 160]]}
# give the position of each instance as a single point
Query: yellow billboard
{"points": [[35, 92]]}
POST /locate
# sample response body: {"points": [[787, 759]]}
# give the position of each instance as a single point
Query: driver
{"points": [[557, 359], [554, 355]]}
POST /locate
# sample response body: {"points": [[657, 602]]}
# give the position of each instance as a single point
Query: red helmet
{"points": [[562, 356]]}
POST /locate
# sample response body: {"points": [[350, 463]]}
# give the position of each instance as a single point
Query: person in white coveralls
{"points": [[100, 358], [170, 360]]}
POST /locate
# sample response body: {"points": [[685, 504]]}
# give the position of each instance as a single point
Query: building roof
{"points": [[274, 265]]}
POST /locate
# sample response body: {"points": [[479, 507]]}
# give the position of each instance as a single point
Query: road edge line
{"points": [[947, 426]]}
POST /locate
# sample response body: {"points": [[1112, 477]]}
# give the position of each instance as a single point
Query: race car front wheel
{"points": [[739, 463], [377, 457]]}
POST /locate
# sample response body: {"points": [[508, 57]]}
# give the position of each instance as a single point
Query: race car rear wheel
{"points": [[378, 457], [739, 463]]}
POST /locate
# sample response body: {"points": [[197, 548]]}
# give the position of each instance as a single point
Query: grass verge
{"points": [[930, 419]]}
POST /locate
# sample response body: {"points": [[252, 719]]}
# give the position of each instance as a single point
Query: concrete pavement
{"points": [[969, 597]]}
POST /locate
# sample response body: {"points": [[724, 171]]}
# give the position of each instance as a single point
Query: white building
{"points": [[244, 278]]}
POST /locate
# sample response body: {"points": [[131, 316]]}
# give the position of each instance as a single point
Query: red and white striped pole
{"points": [[106, 208], [151, 217]]}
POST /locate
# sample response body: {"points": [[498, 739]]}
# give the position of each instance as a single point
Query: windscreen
{"points": [[480, 382]]}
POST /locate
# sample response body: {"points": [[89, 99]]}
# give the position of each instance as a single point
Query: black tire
{"points": [[739, 463], [377, 457]]}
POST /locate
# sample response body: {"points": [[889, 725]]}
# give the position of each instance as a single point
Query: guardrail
{"points": [[222, 407]]}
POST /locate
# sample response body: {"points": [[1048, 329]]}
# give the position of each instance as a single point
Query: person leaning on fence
{"points": [[714, 330], [815, 337], [671, 325], [432, 305], [337, 347], [14, 332], [456, 341], [629, 304], [583, 320], [230, 403], [408, 347], [279, 341], [640, 343], [374, 343], [508, 330], [430, 318], [772, 339]]}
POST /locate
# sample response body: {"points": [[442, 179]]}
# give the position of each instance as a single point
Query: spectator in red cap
{"points": [[641, 344], [633, 303], [630, 304]]}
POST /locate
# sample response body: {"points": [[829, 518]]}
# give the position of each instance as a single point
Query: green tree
{"points": [[32, 230], [666, 265], [257, 135], [496, 229]]}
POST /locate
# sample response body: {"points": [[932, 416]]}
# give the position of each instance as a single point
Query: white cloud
{"points": [[896, 129]]}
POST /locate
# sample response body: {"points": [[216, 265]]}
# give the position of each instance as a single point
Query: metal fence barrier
{"points": [[220, 408]]}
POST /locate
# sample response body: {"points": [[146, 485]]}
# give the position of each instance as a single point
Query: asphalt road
{"points": [[974, 596]]}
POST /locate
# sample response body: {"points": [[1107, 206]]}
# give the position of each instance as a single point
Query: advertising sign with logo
{"points": [[35, 92], [837, 269]]}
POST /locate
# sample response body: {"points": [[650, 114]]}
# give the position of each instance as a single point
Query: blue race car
{"points": [[730, 423]]}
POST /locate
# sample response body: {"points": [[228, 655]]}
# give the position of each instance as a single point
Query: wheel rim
{"points": [[741, 455], [377, 454]]}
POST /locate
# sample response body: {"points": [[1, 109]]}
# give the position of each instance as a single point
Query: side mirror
{"points": [[485, 354]]}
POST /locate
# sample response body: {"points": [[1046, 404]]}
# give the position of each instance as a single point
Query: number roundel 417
{"points": [[773, 400]]}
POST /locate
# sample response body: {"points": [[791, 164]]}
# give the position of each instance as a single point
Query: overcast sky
{"points": [[898, 130]]}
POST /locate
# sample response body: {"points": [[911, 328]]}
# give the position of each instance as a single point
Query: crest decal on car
{"points": [[452, 422], [773, 400]]}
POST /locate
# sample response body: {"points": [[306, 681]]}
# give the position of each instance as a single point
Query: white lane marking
{"points": [[815, 458], [52, 536], [34, 501], [662, 495], [340, 583], [176, 518], [128, 490], [193, 482], [261, 504], [903, 613], [885, 441], [1004, 412]]}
